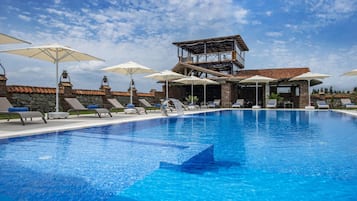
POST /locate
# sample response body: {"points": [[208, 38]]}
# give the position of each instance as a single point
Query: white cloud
{"points": [[321, 13], [273, 34], [241, 15], [143, 31], [24, 17]]}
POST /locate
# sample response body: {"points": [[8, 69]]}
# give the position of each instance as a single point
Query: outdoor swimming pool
{"points": [[258, 155]]}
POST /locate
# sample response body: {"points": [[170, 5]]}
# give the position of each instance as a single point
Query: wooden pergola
{"points": [[221, 54]]}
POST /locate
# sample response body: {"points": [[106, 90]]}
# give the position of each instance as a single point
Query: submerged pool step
{"points": [[194, 157], [189, 156]]}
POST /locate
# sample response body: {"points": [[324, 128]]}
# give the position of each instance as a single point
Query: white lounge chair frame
{"points": [[322, 105], [239, 103], [271, 103], [346, 102]]}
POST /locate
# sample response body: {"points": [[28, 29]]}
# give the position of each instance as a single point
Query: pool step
{"points": [[194, 157]]}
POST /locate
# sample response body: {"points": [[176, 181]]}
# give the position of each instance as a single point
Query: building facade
{"points": [[222, 59]]}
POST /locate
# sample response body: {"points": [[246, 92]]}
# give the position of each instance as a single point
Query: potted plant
{"points": [[276, 96], [191, 99]]}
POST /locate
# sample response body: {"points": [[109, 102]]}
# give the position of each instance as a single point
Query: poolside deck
{"points": [[14, 128]]}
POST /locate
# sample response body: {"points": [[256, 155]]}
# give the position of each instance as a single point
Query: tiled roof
{"points": [[276, 73], [49, 90], [146, 94], [120, 93], [88, 92], [31, 89]]}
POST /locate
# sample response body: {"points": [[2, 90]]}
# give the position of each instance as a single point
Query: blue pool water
{"points": [[258, 155]]}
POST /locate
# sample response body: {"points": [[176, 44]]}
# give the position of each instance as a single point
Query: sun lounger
{"points": [[78, 107], [131, 109], [7, 109], [346, 102], [239, 103], [322, 105], [215, 103], [115, 103], [148, 105], [271, 103]]}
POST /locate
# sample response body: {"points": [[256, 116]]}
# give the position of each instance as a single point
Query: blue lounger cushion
{"points": [[130, 106], [92, 106], [18, 109]]}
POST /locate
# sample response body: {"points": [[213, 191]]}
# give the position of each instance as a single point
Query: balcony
{"points": [[218, 57]]}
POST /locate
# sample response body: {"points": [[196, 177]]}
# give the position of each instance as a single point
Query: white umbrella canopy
{"points": [[129, 68], [53, 53], [308, 77], [6, 39], [192, 80], [165, 75], [351, 73], [257, 79]]}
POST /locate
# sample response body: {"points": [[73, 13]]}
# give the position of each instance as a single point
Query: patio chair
{"points": [[215, 103], [78, 107], [7, 109], [322, 105], [239, 103], [271, 103], [346, 102], [115, 103], [148, 105], [131, 109]]}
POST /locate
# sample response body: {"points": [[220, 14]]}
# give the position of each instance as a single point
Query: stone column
{"points": [[304, 96], [65, 90], [3, 89], [226, 95], [108, 94]]}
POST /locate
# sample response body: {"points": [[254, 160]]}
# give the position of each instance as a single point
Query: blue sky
{"points": [[320, 34]]}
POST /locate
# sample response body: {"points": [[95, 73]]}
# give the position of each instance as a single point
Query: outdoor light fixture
{"points": [[105, 81], [65, 76]]}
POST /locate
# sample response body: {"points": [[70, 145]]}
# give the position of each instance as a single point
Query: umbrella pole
{"points": [[191, 94], [167, 89], [204, 94], [131, 89], [57, 89], [308, 92], [256, 93]]}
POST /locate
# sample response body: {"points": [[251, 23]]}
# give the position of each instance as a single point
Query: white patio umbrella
{"points": [[192, 80], [308, 77], [165, 75], [6, 39], [351, 73], [53, 53], [257, 79], [129, 68]]}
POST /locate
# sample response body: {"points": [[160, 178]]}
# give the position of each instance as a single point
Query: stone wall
{"points": [[43, 98], [40, 102]]}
